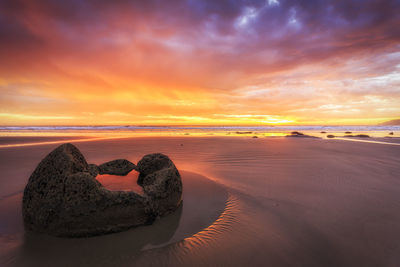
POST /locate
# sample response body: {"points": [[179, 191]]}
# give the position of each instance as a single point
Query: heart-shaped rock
{"points": [[63, 197]]}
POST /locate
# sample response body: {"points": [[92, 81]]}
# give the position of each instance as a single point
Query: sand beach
{"points": [[257, 202]]}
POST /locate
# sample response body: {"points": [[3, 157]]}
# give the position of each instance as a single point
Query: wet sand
{"points": [[247, 202], [13, 140]]}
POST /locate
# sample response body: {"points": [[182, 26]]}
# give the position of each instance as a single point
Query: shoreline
{"points": [[24, 141]]}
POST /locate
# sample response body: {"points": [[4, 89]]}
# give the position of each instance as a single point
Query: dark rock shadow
{"points": [[203, 202], [39, 249]]}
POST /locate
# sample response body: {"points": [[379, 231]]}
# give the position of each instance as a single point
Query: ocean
{"points": [[132, 130]]}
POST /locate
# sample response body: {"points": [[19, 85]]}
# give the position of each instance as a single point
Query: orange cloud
{"points": [[188, 62]]}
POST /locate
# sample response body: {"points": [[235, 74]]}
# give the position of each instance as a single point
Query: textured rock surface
{"points": [[117, 167], [63, 197], [93, 169], [161, 182], [152, 163]]}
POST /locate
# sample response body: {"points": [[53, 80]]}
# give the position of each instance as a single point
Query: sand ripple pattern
{"points": [[222, 225], [195, 250]]}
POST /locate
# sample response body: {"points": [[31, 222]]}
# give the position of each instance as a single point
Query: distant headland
{"points": [[392, 122]]}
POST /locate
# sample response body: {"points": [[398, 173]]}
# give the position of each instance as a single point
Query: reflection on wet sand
{"points": [[121, 183], [368, 141], [196, 212], [38, 249], [291, 202], [71, 140]]}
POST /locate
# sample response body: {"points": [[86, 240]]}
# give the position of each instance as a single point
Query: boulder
{"points": [[117, 167], [63, 197], [161, 182]]}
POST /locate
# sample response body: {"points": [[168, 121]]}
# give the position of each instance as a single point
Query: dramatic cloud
{"points": [[199, 62]]}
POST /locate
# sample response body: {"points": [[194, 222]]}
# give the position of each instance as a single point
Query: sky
{"points": [[245, 62]]}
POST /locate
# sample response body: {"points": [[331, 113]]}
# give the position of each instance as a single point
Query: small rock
{"points": [[117, 167], [330, 136], [244, 132], [391, 133], [358, 135], [298, 134], [362, 135]]}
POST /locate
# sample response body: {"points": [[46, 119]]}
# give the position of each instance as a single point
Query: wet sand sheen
{"points": [[203, 202], [286, 203]]}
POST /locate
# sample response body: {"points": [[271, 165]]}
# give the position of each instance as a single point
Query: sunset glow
{"points": [[199, 62]]}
